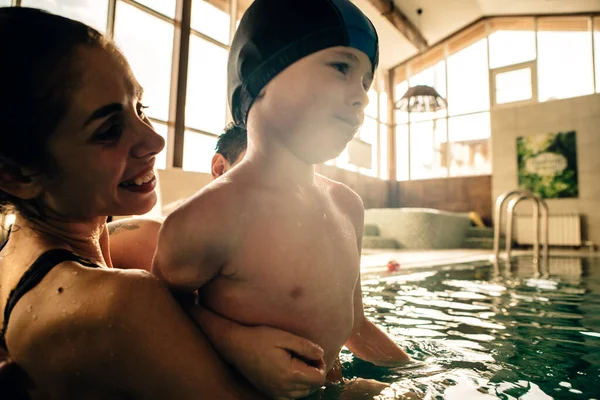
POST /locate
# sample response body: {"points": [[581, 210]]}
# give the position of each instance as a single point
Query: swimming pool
{"points": [[508, 331]]}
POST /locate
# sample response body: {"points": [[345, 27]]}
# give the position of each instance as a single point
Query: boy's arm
{"points": [[368, 342], [190, 251]]}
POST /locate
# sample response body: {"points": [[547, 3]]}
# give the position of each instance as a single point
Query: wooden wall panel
{"points": [[464, 194]]}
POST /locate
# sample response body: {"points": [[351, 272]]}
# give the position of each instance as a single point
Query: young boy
{"points": [[230, 150], [271, 242]]}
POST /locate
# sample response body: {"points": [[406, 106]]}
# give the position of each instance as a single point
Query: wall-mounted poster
{"points": [[548, 164]]}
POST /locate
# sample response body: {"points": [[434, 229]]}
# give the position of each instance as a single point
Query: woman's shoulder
{"points": [[78, 314]]}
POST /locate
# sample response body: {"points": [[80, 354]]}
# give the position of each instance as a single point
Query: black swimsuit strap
{"points": [[34, 275]]}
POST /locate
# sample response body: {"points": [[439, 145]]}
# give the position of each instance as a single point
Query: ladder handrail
{"points": [[498, 217], [515, 197], [536, 223]]}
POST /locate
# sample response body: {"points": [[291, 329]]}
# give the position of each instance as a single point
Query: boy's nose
{"points": [[359, 97]]}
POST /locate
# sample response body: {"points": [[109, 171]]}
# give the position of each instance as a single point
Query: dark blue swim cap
{"points": [[273, 34]]}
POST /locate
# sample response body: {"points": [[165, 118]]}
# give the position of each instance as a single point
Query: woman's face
{"points": [[103, 151]]}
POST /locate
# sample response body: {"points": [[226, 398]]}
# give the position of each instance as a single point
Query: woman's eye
{"points": [[112, 134], [111, 131]]}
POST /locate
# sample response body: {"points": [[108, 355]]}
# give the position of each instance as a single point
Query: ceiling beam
{"points": [[401, 22]]}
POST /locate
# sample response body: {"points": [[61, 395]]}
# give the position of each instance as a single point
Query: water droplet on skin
{"points": [[29, 308], [34, 317], [75, 272], [324, 216]]}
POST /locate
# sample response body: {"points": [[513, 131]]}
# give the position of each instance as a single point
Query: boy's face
{"points": [[316, 105]]}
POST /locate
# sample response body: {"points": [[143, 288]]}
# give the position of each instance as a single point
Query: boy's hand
{"points": [[281, 365]]}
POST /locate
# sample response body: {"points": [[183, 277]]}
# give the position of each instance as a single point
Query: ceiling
{"points": [[442, 18], [391, 41]]}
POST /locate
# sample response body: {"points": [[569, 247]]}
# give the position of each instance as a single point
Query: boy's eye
{"points": [[342, 67]]}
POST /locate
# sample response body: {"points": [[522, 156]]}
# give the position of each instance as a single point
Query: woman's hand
{"points": [[278, 363]]}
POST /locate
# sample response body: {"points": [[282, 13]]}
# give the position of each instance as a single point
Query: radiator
{"points": [[563, 229]]}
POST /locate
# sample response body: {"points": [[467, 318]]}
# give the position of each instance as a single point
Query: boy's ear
{"points": [[220, 165], [15, 182], [262, 92]]}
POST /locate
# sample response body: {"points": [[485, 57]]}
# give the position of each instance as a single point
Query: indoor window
{"points": [[90, 12], [206, 106]]}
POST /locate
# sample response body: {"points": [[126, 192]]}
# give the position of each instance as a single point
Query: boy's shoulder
{"points": [[211, 211], [215, 199], [344, 197], [341, 192]]}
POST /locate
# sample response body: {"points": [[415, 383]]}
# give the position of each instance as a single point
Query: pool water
{"points": [[518, 331]]}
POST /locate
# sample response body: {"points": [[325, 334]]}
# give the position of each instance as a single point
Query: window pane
{"points": [[399, 91], [212, 18], [511, 47], [91, 12], [597, 51], [198, 151], [147, 42], [470, 145], [5, 3], [564, 64], [428, 150], [165, 7], [343, 161], [513, 86], [242, 7], [162, 130], [383, 152], [383, 107], [402, 152], [206, 105], [368, 131], [435, 77], [468, 80], [368, 134], [371, 109]]}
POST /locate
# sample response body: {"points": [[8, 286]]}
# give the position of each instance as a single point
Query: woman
{"points": [[77, 147]]}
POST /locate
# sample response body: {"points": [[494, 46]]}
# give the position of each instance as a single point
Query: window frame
{"points": [[532, 65]]}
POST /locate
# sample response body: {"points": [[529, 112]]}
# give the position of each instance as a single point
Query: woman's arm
{"points": [[127, 336], [133, 242], [280, 364]]}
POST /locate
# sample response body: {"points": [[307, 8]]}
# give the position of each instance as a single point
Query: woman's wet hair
{"points": [[38, 75]]}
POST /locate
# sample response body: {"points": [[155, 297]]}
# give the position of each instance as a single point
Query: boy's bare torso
{"points": [[294, 263]]}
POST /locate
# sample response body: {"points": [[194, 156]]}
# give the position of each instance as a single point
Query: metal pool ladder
{"points": [[516, 196]]}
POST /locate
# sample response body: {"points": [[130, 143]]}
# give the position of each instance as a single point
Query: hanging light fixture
{"points": [[421, 98]]}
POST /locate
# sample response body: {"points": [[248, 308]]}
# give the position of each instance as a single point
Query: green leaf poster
{"points": [[548, 164]]}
